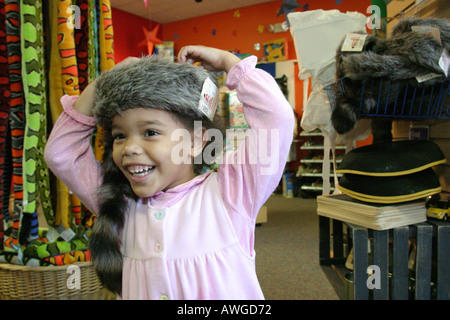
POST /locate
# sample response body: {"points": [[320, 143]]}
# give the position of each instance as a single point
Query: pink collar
{"points": [[172, 196]]}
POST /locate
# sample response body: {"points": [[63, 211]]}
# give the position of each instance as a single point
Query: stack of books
{"points": [[375, 216]]}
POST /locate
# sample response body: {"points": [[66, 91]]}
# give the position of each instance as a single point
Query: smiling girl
{"points": [[164, 231]]}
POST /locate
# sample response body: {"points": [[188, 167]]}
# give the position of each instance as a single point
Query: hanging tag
{"points": [[67, 234], [354, 42], [444, 61], [52, 235], [429, 31], [209, 99]]}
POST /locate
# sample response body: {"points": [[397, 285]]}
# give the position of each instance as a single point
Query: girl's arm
{"points": [[264, 151], [68, 152], [248, 176], [246, 187]]}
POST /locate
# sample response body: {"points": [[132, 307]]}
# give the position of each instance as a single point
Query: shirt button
{"points": [[159, 215], [158, 247], [164, 297]]}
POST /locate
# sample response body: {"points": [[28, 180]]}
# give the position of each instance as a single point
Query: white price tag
{"points": [[429, 31], [67, 234], [354, 42], [209, 99], [52, 235], [444, 62]]}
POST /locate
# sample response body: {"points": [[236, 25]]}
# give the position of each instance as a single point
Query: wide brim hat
{"points": [[392, 159], [392, 189]]}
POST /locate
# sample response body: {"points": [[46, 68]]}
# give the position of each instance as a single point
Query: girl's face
{"points": [[142, 150]]}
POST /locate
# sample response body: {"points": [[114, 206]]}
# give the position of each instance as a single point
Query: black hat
{"points": [[392, 159]]}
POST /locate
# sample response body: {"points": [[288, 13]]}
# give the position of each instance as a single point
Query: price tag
{"points": [[444, 62], [52, 235], [354, 42], [67, 234], [429, 31], [209, 99]]}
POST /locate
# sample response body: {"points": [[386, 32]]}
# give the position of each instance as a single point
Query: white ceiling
{"points": [[166, 11]]}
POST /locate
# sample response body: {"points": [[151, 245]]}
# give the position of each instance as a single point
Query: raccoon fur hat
{"points": [[150, 82], [402, 57]]}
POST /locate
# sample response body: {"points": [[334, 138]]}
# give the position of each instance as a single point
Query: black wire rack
{"points": [[389, 99]]}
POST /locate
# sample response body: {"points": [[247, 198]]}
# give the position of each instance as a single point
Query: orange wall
{"points": [[231, 31], [128, 34], [225, 30], [242, 32]]}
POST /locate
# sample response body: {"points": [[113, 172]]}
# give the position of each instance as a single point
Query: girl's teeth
{"points": [[139, 170]]}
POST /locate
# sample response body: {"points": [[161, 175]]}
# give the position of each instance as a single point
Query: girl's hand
{"points": [[85, 102], [211, 58]]}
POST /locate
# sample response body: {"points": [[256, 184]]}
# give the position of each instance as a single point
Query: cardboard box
{"points": [[262, 215]]}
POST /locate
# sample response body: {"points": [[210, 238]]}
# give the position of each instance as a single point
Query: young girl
{"points": [[163, 231]]}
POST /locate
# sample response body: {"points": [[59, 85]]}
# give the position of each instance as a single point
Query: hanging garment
{"points": [[107, 61], [34, 86], [5, 154], [16, 118], [70, 86]]}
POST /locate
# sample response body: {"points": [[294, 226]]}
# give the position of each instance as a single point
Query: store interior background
{"points": [[287, 249], [287, 245]]}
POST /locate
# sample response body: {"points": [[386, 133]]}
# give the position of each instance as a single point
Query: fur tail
{"points": [[344, 116], [105, 240]]}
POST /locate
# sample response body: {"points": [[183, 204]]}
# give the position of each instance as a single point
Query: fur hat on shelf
{"points": [[401, 58]]}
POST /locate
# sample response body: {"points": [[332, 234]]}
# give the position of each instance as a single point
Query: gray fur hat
{"points": [[400, 59], [151, 82], [403, 56]]}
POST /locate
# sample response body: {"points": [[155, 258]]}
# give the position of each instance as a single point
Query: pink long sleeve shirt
{"points": [[195, 241]]}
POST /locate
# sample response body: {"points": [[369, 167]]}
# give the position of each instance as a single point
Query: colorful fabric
{"points": [[34, 85], [92, 44], [106, 36], [70, 83], [4, 115], [58, 260], [16, 119], [82, 44], [42, 252], [75, 61], [107, 61]]}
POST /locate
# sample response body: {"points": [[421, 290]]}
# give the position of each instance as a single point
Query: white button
{"points": [[164, 297], [158, 247]]}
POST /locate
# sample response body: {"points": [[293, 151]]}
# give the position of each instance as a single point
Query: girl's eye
{"points": [[149, 133], [118, 136]]}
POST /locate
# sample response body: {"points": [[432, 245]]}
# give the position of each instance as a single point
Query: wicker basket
{"points": [[50, 283]]}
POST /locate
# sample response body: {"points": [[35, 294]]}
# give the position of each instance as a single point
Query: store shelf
{"points": [[313, 188], [319, 147], [311, 176], [316, 161], [318, 175]]}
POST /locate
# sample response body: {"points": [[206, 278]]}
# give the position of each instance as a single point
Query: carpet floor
{"points": [[287, 252]]}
